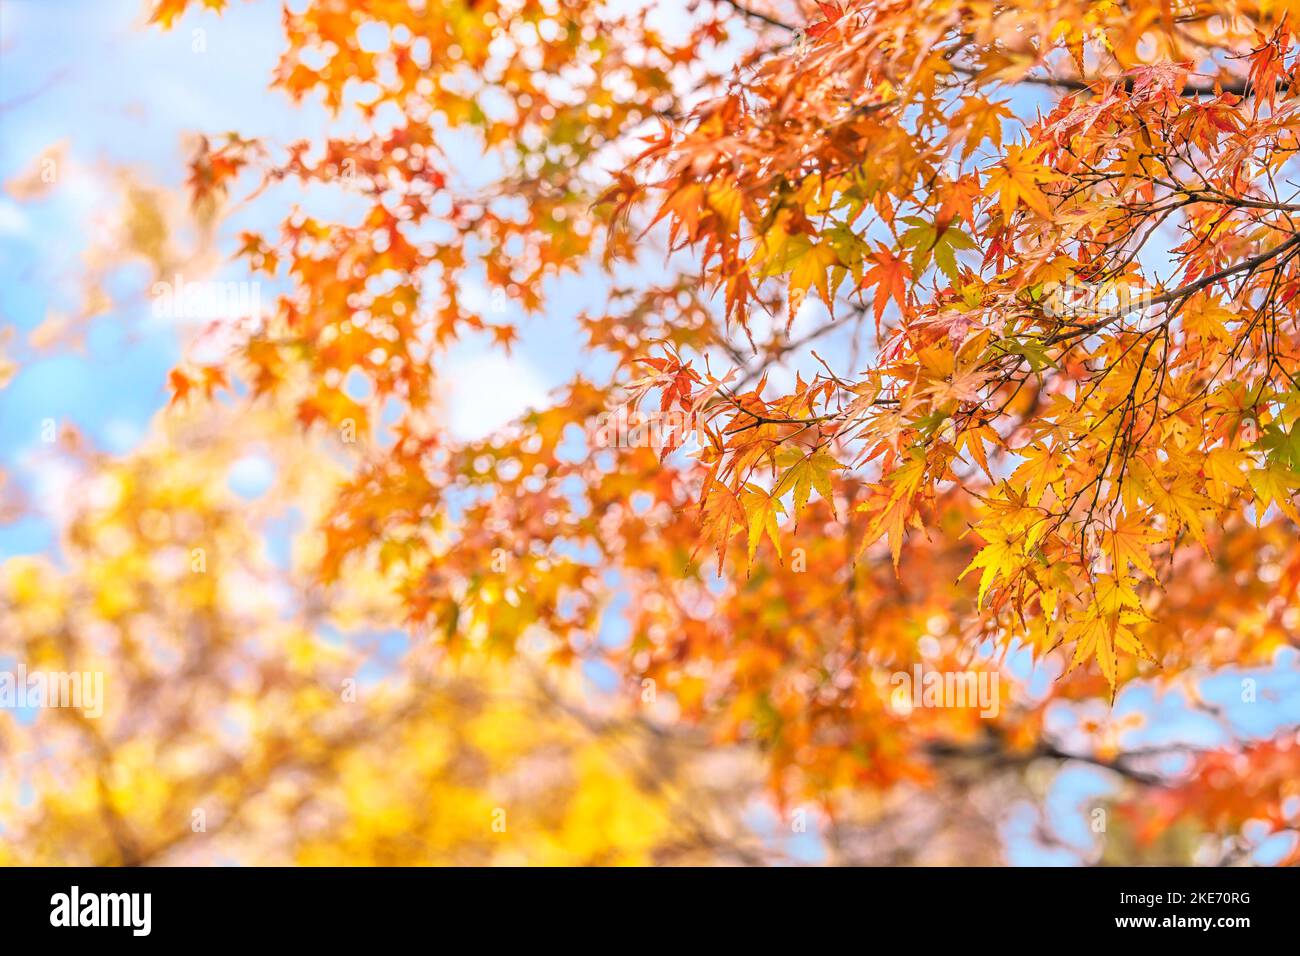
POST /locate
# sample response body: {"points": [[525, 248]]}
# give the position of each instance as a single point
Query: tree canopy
{"points": [[940, 334]]}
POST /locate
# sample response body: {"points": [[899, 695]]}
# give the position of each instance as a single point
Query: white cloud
{"points": [[13, 221], [55, 483], [487, 390]]}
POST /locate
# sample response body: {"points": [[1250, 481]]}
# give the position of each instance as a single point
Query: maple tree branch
{"points": [[1241, 87], [1002, 757], [772, 353], [1078, 85], [751, 14], [1182, 292]]}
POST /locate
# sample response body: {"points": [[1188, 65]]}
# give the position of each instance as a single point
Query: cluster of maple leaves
{"points": [[1095, 441], [1062, 237]]}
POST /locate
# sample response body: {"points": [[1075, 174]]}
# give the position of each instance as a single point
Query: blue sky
{"points": [[85, 76]]}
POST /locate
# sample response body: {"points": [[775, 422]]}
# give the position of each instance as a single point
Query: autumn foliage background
{"points": [[967, 335]]}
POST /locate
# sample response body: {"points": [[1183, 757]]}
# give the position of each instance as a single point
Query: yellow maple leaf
{"points": [[811, 269], [1129, 542], [762, 510], [1223, 468], [1206, 317], [1274, 485], [1041, 467], [998, 558], [806, 472], [1017, 178]]}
